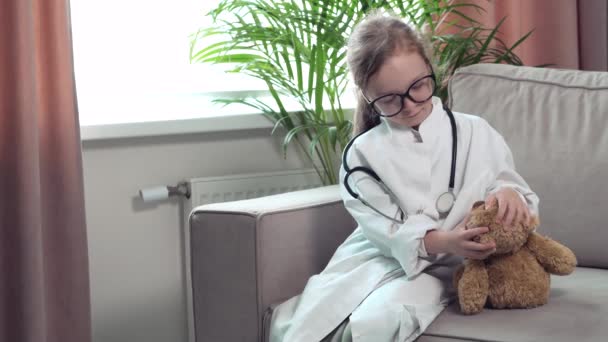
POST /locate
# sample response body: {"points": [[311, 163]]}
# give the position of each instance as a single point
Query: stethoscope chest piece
{"points": [[445, 202]]}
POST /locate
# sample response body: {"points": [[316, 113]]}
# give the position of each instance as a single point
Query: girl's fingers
{"points": [[490, 201], [502, 208], [479, 255], [526, 215], [511, 214], [473, 232], [478, 247], [488, 253], [521, 215]]}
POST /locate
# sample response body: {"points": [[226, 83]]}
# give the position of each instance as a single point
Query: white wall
{"points": [[135, 249]]}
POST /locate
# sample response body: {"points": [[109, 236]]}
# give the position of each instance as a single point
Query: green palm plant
{"points": [[297, 47]]}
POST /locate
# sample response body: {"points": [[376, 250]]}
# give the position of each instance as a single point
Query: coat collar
{"points": [[429, 129]]}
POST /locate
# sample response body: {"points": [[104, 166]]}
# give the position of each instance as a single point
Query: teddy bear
{"points": [[516, 275]]}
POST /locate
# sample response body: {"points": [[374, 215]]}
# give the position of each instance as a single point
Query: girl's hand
{"points": [[511, 209], [459, 241]]}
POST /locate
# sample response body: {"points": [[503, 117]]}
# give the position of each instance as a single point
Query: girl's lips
{"points": [[412, 115]]}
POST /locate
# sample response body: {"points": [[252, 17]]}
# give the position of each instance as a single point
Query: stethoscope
{"points": [[444, 202]]}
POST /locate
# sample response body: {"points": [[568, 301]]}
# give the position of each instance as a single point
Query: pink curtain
{"points": [[44, 280], [567, 33]]}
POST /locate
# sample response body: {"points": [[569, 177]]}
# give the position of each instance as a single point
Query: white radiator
{"points": [[231, 188], [245, 186]]}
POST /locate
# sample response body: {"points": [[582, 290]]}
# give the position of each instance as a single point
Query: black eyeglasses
{"points": [[392, 104]]}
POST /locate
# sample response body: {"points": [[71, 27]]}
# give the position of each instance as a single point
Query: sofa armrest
{"points": [[246, 255]]}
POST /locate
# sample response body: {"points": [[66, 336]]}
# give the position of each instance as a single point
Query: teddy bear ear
{"points": [[478, 203]]}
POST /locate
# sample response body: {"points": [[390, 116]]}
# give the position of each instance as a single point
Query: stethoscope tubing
{"points": [[374, 175]]}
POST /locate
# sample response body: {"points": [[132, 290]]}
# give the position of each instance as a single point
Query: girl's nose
{"points": [[408, 104]]}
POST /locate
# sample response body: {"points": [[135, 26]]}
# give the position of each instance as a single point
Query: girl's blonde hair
{"points": [[375, 39]]}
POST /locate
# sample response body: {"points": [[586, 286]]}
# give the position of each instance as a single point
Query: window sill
{"points": [[186, 120], [216, 123]]}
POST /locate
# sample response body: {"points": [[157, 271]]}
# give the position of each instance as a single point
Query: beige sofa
{"points": [[249, 255]]}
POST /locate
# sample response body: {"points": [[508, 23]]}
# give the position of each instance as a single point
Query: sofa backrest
{"points": [[555, 122]]}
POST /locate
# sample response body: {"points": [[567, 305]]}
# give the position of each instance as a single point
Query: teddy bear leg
{"points": [[555, 257], [473, 287]]}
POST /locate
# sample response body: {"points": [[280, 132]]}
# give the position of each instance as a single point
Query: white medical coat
{"points": [[415, 165]]}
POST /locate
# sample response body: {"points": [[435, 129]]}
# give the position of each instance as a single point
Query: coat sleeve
{"points": [[504, 169], [403, 242]]}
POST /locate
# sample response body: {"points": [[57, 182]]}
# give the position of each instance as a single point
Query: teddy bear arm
{"points": [[473, 287], [553, 256]]}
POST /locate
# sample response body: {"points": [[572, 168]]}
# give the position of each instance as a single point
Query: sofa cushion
{"points": [[577, 311], [555, 123]]}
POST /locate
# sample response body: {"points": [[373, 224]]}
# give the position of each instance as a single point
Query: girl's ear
{"points": [[478, 203]]}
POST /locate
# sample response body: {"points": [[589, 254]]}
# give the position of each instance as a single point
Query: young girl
{"points": [[391, 277]]}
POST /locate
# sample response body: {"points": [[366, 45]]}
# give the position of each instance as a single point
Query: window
{"points": [[132, 65], [131, 60]]}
